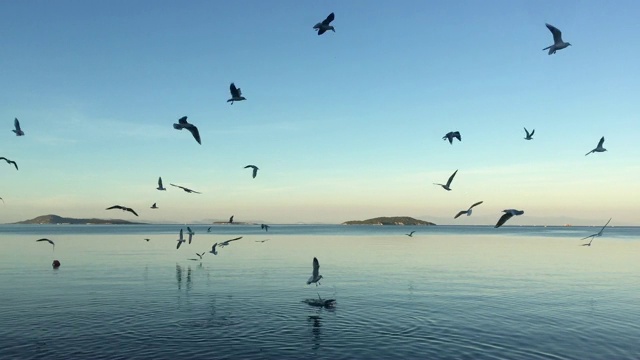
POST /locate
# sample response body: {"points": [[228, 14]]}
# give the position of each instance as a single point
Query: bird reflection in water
{"points": [[188, 278], [316, 330], [179, 276]]}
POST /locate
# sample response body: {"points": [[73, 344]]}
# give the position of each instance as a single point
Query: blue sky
{"points": [[343, 126]]}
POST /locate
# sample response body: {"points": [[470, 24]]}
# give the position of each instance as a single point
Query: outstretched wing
{"points": [[16, 123], [316, 268], [160, 182], [235, 92], [451, 178], [476, 204], [329, 19], [503, 219], [460, 213], [132, 211], [557, 34], [457, 135], [115, 207], [605, 225], [183, 120], [601, 142]]}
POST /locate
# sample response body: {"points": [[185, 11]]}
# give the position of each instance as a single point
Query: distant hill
{"points": [[55, 219], [394, 220]]}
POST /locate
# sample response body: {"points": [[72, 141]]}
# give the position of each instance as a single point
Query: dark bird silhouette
{"points": [[558, 44], [529, 136], [191, 233], [468, 211], [262, 241], [226, 242], [17, 130], [183, 124], [147, 239], [154, 206], [200, 255], [315, 275], [123, 208], [265, 227], [185, 189], [213, 249], [255, 169], [508, 214], [10, 162], [49, 241], [592, 236], [231, 220], [452, 135], [324, 26], [180, 240], [599, 148], [160, 187], [236, 94], [410, 234], [209, 229], [448, 184]]}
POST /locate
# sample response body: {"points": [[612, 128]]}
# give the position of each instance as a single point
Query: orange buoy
{"points": [[56, 264]]}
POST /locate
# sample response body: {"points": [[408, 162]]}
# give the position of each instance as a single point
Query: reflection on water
{"points": [[315, 330]]}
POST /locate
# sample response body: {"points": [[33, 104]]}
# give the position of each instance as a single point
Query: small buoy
{"points": [[56, 264]]}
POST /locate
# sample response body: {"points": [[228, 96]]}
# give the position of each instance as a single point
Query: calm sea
{"points": [[445, 293]]}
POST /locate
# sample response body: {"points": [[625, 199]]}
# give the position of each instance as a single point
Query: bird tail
{"points": [[548, 47]]}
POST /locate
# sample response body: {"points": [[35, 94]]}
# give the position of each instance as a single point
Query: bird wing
{"points": [[47, 240], [250, 166], [601, 142], [605, 225], [183, 120], [316, 268], [115, 207], [503, 219], [14, 164], [476, 204], [160, 182], [527, 131], [590, 236], [194, 131], [451, 178], [457, 135], [255, 171], [16, 123], [213, 249], [234, 91], [532, 132], [460, 213], [321, 30], [181, 237], [329, 19], [179, 243], [189, 230], [178, 186], [411, 233], [238, 238], [132, 211], [190, 237], [557, 34]]}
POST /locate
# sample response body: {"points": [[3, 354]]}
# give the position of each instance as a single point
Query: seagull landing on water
{"points": [[185, 189], [508, 214], [255, 169], [324, 26], [49, 241], [599, 148], [236, 94], [558, 44], [180, 240], [315, 276], [213, 249], [10, 162], [529, 135], [599, 233], [448, 184], [160, 187], [123, 208], [468, 211], [452, 135], [154, 206], [183, 124], [410, 234], [17, 130]]}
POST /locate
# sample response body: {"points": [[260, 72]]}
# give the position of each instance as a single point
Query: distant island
{"points": [[394, 220], [55, 219]]}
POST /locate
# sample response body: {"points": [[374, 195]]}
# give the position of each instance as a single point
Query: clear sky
{"points": [[343, 126]]}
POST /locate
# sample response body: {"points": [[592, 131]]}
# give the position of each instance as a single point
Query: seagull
{"points": [[180, 240], [49, 241], [315, 276], [508, 214], [446, 187], [154, 206], [209, 229], [410, 234], [599, 233], [589, 243], [265, 227], [558, 44], [231, 220], [186, 189], [236, 94], [191, 233], [123, 209], [255, 170], [226, 242], [9, 162], [468, 211], [213, 249], [599, 148], [18, 131], [452, 135], [323, 26], [160, 187], [183, 124], [200, 255], [529, 135], [147, 239], [261, 241]]}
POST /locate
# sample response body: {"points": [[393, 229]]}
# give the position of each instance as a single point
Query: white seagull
{"points": [[184, 124], [160, 187], [452, 135], [558, 44], [599, 148], [468, 211], [315, 276], [599, 233], [448, 184], [324, 26], [18, 131], [255, 170], [508, 214], [213, 249], [180, 240], [529, 135], [236, 94]]}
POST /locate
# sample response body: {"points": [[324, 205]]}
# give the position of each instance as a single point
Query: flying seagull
{"points": [[452, 135], [323, 26], [186, 189], [209, 229], [191, 233], [255, 170], [599, 233], [448, 184], [183, 124], [180, 240], [49, 241], [508, 214], [261, 241], [265, 227], [231, 220], [160, 187], [599, 148], [154, 206], [200, 255], [226, 242], [558, 44], [18, 131], [123, 208], [468, 211], [213, 249], [315, 276], [410, 234], [236, 94], [10, 162], [529, 135]]}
